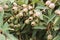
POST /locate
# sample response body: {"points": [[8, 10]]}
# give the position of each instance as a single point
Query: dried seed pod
{"points": [[52, 6], [6, 6], [49, 37], [33, 23], [57, 12], [27, 21], [30, 12], [48, 2], [1, 8], [30, 18], [24, 5], [14, 4]]}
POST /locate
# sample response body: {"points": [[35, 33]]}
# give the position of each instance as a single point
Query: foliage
{"points": [[29, 20]]}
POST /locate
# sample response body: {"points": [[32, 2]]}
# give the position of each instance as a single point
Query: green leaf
{"points": [[39, 14], [5, 27], [2, 37], [39, 27], [57, 37], [34, 1], [52, 17], [11, 37], [56, 20], [55, 28], [40, 7], [1, 18], [11, 1]]}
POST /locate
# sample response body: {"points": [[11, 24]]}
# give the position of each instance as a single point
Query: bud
{"points": [[57, 11], [48, 3], [27, 21], [1, 8], [49, 37], [52, 5], [30, 18], [24, 5], [14, 4], [33, 23]]}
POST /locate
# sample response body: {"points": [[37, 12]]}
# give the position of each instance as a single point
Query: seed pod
{"points": [[48, 3], [24, 5], [11, 18], [11, 24], [27, 21], [30, 18], [36, 15], [57, 12], [30, 12], [15, 26], [14, 4], [30, 7], [36, 20], [1, 8], [15, 9], [52, 6], [18, 25], [25, 10], [20, 14], [33, 23], [49, 37], [6, 6]]}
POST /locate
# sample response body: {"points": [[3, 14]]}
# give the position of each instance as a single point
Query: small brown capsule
{"points": [[33, 23], [49, 37], [27, 21], [30, 18]]}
